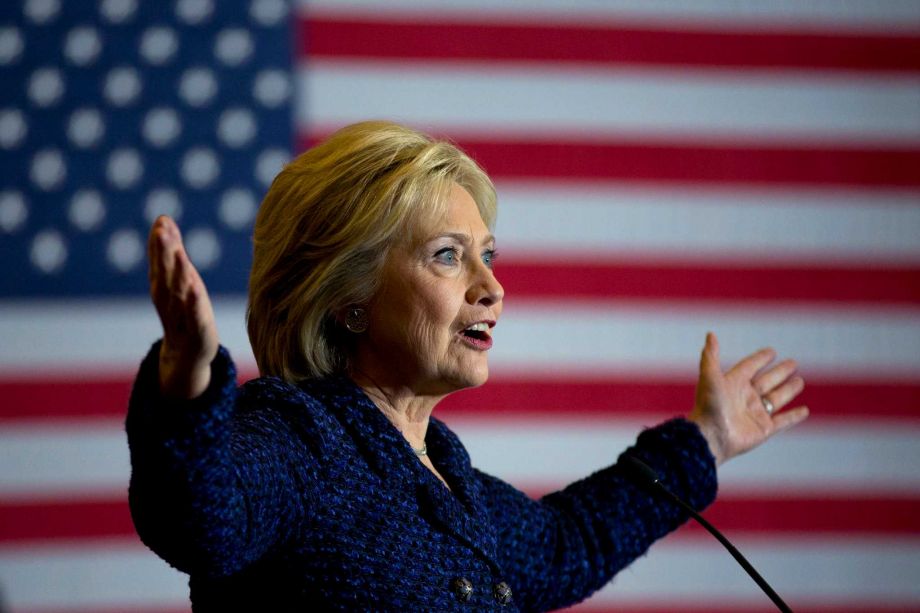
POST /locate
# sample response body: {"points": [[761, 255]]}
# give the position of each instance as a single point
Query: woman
{"points": [[326, 484]]}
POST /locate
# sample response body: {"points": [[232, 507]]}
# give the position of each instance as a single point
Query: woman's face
{"points": [[430, 324]]}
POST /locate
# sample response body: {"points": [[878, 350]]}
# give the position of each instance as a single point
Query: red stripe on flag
{"points": [[706, 606], [660, 399], [573, 160], [110, 608], [65, 519], [846, 514], [57, 401], [524, 277], [466, 40], [649, 606], [62, 398], [564, 160]]}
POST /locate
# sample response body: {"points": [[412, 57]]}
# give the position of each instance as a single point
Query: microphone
{"points": [[646, 476]]}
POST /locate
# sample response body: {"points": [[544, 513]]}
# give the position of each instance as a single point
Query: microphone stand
{"points": [[650, 478]]}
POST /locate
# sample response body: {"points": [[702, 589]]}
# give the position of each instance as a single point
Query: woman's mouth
{"points": [[477, 336]]}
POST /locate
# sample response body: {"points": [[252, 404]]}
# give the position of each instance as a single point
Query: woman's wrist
{"points": [[181, 378], [711, 434]]}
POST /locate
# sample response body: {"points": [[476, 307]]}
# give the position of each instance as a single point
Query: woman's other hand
{"points": [[730, 409], [190, 339]]}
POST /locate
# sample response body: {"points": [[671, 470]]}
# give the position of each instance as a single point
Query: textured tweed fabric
{"points": [[274, 497]]}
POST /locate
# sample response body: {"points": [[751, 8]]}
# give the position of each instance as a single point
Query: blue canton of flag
{"points": [[114, 112]]}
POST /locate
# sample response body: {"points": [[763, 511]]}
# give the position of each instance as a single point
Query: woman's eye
{"points": [[448, 255], [488, 257]]}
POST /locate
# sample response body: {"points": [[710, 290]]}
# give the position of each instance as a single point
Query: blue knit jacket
{"points": [[275, 497]]}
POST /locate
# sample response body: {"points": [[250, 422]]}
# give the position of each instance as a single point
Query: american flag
{"points": [[664, 168]]}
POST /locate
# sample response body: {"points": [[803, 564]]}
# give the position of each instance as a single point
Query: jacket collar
{"points": [[460, 510]]}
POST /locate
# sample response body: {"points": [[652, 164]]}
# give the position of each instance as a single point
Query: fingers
{"points": [[190, 339], [774, 376], [787, 419], [162, 246], [163, 235], [748, 367], [783, 394], [779, 384], [160, 265], [169, 263], [709, 359], [174, 282]]}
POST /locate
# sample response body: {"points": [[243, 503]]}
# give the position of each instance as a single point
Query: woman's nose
{"points": [[485, 288]]}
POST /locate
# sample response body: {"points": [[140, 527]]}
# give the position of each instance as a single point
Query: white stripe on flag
{"points": [[802, 570], [104, 573], [45, 461], [591, 102], [65, 461], [889, 16], [799, 227], [532, 336], [109, 337], [555, 452], [565, 337]]}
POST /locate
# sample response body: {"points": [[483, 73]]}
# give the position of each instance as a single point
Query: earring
{"points": [[356, 320]]}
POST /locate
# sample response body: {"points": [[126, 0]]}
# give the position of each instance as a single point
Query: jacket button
{"points": [[462, 588], [502, 593]]}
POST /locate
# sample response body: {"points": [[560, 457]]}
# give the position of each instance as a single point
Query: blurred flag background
{"points": [[664, 168]]}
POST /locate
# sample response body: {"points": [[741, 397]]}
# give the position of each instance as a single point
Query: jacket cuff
{"points": [[190, 421], [680, 455]]}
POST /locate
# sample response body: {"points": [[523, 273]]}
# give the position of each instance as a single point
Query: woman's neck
{"points": [[408, 411]]}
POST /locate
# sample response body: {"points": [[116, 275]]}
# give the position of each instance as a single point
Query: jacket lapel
{"points": [[460, 510]]}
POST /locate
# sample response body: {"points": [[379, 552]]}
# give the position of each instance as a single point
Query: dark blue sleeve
{"points": [[213, 486], [559, 550]]}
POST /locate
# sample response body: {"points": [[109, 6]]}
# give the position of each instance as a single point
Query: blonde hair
{"points": [[325, 228]]}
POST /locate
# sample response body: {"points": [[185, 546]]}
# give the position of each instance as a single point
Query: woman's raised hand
{"points": [[190, 339], [730, 409]]}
